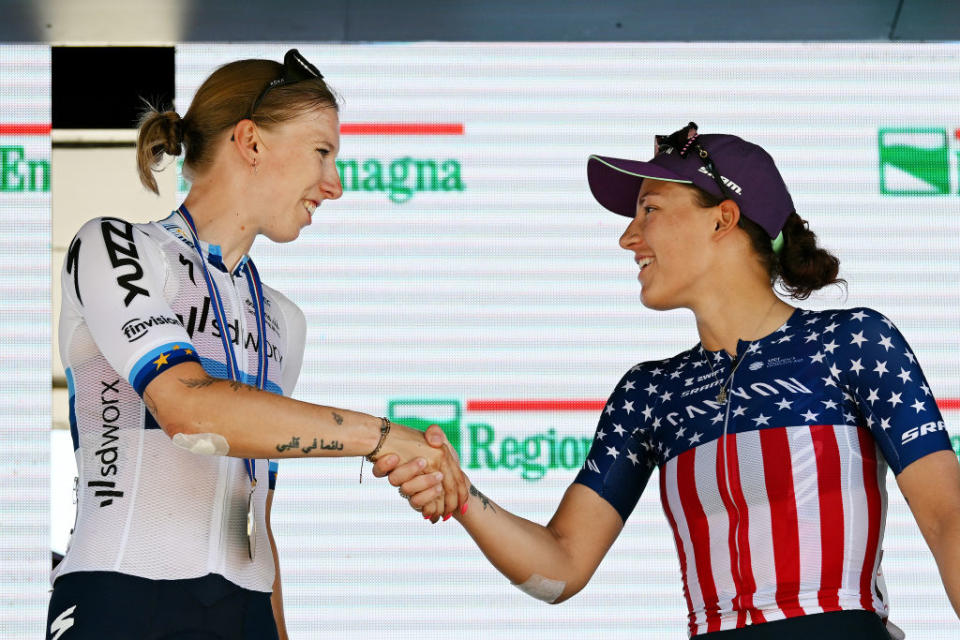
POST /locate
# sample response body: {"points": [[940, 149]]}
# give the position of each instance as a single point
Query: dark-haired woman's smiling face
{"points": [[669, 237]]}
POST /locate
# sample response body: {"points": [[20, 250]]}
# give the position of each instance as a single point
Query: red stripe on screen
{"points": [[402, 128], [24, 129]]}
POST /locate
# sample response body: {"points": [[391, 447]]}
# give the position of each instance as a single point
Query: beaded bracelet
{"points": [[384, 430]]}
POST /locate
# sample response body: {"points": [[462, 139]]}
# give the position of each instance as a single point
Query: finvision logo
{"points": [[492, 447], [919, 161], [135, 328]]}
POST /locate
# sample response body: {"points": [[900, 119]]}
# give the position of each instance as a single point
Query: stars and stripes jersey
{"points": [[776, 497], [135, 303]]}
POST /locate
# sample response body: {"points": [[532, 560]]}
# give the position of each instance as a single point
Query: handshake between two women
{"points": [[430, 479]]}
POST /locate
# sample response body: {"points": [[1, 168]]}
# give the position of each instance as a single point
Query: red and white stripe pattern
{"points": [[777, 523]]}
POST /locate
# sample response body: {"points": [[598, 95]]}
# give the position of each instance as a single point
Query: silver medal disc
{"points": [[251, 528]]}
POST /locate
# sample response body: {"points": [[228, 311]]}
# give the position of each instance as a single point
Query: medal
{"points": [[251, 527]]}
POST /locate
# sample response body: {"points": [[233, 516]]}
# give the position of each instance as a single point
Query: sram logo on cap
{"points": [[727, 181]]}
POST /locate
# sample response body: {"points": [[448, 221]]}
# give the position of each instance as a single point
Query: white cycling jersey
{"points": [[135, 303]]}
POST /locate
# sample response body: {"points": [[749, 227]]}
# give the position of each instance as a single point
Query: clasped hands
{"points": [[425, 469]]}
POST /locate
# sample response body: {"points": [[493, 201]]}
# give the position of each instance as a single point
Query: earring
{"points": [[254, 167]]}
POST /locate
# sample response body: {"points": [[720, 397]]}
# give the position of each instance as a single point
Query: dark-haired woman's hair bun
{"points": [[805, 267], [801, 267], [160, 133]]}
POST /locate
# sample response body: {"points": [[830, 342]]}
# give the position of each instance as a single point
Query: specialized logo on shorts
{"points": [[919, 161], [107, 451], [62, 622], [135, 328], [118, 239]]}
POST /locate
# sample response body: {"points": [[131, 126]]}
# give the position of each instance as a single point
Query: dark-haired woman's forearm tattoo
{"points": [[483, 499], [337, 417]]}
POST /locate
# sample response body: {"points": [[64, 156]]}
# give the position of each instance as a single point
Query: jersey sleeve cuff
{"points": [[159, 360]]}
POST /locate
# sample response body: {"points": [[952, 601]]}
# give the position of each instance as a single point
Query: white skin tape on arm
{"points": [[204, 444], [542, 588]]}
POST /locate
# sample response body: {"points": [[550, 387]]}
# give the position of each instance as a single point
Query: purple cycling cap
{"points": [[749, 176]]}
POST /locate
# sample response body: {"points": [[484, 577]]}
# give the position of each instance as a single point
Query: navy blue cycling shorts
{"points": [[833, 625], [113, 606]]}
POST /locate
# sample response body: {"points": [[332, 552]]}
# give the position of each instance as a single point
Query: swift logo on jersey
{"points": [[135, 328], [73, 266], [123, 253], [107, 453]]}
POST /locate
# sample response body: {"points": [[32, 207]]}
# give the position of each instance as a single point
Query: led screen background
{"points": [[467, 277], [25, 336]]}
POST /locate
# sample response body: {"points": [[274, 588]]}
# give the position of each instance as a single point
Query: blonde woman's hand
{"points": [[419, 484]]}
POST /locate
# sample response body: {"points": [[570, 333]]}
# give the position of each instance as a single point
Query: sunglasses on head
{"points": [[684, 141], [296, 68]]}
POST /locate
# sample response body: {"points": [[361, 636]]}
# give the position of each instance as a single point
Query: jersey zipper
{"points": [[735, 561]]}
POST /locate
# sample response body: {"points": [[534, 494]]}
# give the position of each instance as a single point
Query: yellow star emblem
{"points": [[162, 360]]}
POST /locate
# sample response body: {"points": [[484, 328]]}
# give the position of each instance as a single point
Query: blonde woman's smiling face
{"points": [[297, 172]]}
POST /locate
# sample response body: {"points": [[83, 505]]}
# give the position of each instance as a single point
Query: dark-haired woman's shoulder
{"points": [[841, 320]]}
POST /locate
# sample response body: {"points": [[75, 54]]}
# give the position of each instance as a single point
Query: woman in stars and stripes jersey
{"points": [[773, 435]]}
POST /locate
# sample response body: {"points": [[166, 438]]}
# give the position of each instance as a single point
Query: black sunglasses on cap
{"points": [[685, 140], [296, 68]]}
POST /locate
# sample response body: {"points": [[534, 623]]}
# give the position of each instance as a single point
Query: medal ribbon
{"points": [[256, 293]]}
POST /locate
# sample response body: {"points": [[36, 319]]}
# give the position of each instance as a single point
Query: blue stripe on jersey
{"points": [[218, 369], [272, 474], [72, 402], [159, 360]]}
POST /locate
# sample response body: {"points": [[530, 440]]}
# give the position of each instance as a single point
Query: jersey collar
{"points": [[177, 226]]}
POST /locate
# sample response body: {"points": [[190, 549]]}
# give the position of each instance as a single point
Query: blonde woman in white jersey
{"points": [[175, 420]]}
